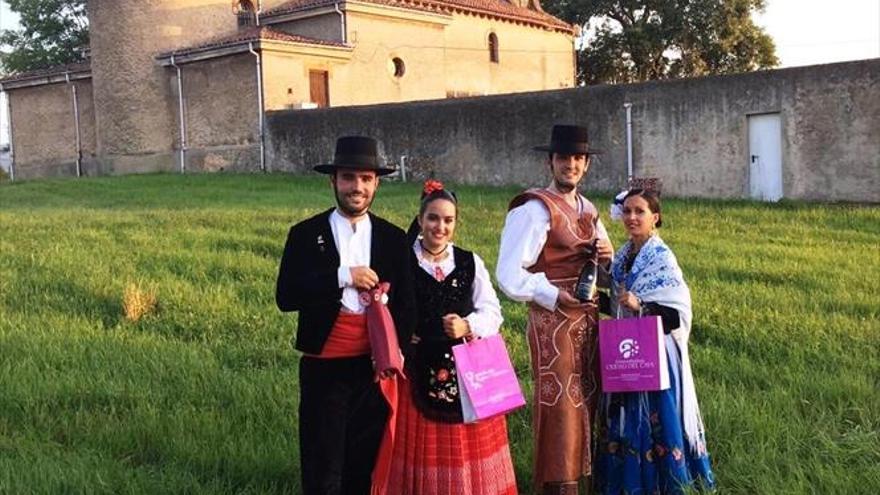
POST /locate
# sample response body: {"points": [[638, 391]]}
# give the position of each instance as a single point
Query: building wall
{"points": [[221, 112], [44, 129], [446, 56], [692, 134], [369, 76], [322, 27], [443, 55], [135, 112], [286, 77], [530, 58], [133, 99], [135, 102], [833, 133]]}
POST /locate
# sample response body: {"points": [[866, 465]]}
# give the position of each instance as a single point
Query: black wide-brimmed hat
{"points": [[355, 153], [569, 139]]}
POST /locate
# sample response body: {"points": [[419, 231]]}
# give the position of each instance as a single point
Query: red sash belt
{"points": [[349, 338]]}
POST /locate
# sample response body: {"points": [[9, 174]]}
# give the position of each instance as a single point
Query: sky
{"points": [[806, 32]]}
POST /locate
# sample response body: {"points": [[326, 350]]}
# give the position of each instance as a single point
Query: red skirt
{"points": [[444, 458]]}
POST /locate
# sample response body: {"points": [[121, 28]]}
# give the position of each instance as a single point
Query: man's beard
{"points": [[348, 210], [563, 187]]}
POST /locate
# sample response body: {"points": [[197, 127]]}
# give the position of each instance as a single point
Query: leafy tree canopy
{"points": [[641, 40], [52, 32]]}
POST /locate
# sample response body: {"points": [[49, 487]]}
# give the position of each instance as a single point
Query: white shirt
{"points": [[523, 238], [485, 319], [353, 243]]}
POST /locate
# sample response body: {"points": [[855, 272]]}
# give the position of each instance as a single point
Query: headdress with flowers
{"points": [[431, 186], [617, 205]]}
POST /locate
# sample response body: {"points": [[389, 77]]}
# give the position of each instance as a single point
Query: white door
{"points": [[765, 157]]}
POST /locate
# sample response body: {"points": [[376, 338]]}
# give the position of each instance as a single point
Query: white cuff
{"points": [[343, 276], [546, 295], [476, 326]]}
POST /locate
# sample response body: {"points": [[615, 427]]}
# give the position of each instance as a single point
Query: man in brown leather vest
{"points": [[543, 248]]}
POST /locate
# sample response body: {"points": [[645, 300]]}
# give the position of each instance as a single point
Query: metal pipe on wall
{"points": [[181, 117], [629, 146], [342, 26], [75, 98], [260, 111], [9, 123]]}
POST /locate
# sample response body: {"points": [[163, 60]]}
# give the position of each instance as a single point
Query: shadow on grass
{"points": [[50, 294], [269, 249], [760, 278]]}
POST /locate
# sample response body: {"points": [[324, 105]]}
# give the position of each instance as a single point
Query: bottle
{"points": [[586, 284]]}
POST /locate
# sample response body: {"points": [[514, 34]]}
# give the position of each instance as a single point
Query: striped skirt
{"points": [[443, 458]]}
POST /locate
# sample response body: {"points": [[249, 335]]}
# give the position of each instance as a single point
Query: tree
{"points": [[52, 32], [641, 40]]}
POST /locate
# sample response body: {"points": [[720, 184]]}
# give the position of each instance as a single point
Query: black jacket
{"points": [[307, 278]]}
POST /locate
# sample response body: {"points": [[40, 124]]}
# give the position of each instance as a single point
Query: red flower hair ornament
{"points": [[431, 186]]}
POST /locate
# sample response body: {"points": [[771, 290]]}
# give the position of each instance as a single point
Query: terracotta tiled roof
{"points": [[502, 9], [257, 33], [49, 71]]}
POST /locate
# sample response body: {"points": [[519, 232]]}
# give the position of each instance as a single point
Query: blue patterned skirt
{"points": [[641, 444]]}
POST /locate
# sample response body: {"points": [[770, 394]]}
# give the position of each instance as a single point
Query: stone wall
{"points": [[220, 108], [693, 133], [44, 133], [134, 104]]}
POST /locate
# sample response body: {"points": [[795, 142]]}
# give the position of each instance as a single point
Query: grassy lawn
{"points": [[200, 395]]}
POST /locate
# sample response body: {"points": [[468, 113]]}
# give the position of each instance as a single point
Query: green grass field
{"points": [[201, 396]]}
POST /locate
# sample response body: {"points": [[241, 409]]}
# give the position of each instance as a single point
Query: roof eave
{"points": [[320, 9], [197, 55], [44, 79], [567, 28], [300, 13]]}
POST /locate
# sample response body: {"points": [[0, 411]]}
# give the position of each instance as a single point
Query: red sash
{"points": [[349, 337]]}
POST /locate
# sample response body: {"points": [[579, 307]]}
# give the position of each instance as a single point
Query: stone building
{"points": [[185, 84]]}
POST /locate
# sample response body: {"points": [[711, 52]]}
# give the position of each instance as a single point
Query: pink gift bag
{"points": [[487, 379], [632, 355]]}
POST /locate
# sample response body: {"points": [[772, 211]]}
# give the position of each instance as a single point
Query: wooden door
{"points": [[319, 88]]}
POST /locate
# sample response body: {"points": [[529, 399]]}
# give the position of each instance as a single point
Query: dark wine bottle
{"points": [[586, 284]]}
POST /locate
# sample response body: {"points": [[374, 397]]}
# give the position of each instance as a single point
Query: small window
{"points": [[247, 15], [493, 48], [398, 67]]}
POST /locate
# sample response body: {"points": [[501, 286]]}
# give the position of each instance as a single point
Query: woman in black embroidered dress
{"points": [[435, 452]]}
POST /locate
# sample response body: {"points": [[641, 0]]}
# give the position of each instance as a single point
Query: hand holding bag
{"points": [[380, 326], [632, 355], [487, 379]]}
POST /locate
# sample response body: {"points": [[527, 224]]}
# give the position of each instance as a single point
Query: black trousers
{"points": [[342, 416]]}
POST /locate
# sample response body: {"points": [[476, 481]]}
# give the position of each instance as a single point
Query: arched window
{"points": [[247, 14], [399, 67], [493, 48]]}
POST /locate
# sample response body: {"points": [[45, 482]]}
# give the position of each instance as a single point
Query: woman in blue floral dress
{"points": [[652, 442]]}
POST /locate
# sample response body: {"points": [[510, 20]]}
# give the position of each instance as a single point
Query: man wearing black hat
{"points": [[328, 259], [543, 248]]}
